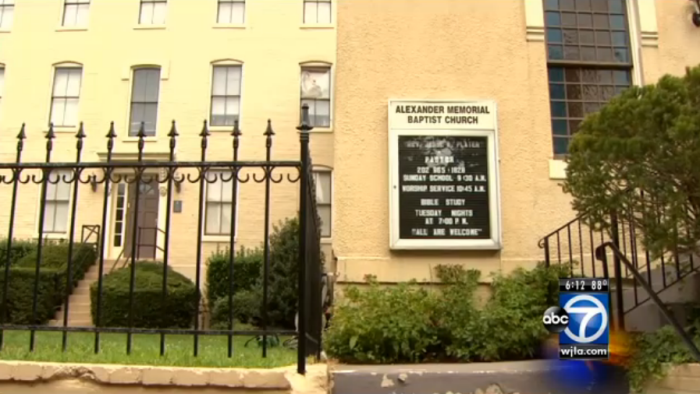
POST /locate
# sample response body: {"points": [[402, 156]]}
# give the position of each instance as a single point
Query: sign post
{"points": [[444, 187]]}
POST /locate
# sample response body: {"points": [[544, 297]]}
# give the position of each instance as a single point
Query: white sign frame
{"points": [[467, 130]]}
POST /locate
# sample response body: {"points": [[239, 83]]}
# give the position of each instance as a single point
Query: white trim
{"points": [[635, 42], [648, 24], [495, 242], [225, 63], [133, 69], [534, 20], [221, 238], [114, 195]]}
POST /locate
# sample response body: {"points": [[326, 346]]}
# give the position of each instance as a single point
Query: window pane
{"points": [[159, 13], [233, 81], [73, 83], [315, 83], [63, 187], [213, 213], [561, 146], [146, 113], [146, 17], [310, 12], [146, 85], [227, 188], [323, 187], [324, 212], [49, 215], [58, 109], [225, 13], [70, 115], [219, 82], [70, 15], [225, 221], [324, 12], [214, 187], [6, 17], [2, 81], [83, 13], [60, 83]]}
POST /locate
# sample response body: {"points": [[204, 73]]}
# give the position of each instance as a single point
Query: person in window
{"points": [[311, 89]]}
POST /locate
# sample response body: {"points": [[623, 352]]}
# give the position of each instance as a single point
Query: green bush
{"points": [[20, 248], [246, 309], [246, 271], [51, 292], [150, 310], [409, 323]]}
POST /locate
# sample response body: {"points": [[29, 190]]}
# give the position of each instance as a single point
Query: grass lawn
{"points": [[213, 350]]}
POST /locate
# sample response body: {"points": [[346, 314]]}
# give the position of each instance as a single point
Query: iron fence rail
{"points": [[169, 174]]}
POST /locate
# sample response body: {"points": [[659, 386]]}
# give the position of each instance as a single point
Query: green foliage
{"points": [[646, 139], [282, 284], [246, 271], [409, 323], [51, 284], [20, 248], [150, 309], [654, 353]]}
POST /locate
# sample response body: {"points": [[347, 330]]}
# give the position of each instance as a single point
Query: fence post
{"points": [[304, 173], [617, 266]]}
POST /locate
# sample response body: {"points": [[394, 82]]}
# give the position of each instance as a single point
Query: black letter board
{"points": [[444, 187]]}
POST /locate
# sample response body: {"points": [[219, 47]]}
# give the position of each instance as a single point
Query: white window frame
{"points": [[317, 173], [232, 4], [66, 95], [134, 71], [220, 237], [315, 5], [54, 202], [7, 12], [153, 4], [225, 96], [75, 7], [330, 99]]}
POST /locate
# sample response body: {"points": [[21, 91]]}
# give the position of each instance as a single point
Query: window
{"points": [[317, 11], [588, 59], [75, 12], [324, 198], [152, 12], [218, 203], [7, 12], [120, 217], [57, 202], [316, 92], [231, 12], [225, 95], [66, 96], [144, 101]]}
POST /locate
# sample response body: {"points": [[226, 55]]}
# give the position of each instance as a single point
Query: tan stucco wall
{"points": [[271, 46], [29, 377], [470, 49]]}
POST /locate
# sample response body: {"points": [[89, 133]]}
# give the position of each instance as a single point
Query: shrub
{"points": [[20, 248], [150, 310], [246, 309], [246, 271], [51, 292], [408, 323]]}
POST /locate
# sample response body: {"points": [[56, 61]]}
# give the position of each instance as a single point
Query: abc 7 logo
{"points": [[557, 319]]}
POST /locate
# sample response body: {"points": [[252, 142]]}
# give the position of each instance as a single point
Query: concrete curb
{"points": [[274, 379]]}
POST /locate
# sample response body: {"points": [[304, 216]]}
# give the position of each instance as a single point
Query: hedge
{"points": [[150, 310], [246, 271], [20, 248], [52, 280]]}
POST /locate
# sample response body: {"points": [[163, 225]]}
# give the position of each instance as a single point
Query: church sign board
{"points": [[444, 184]]}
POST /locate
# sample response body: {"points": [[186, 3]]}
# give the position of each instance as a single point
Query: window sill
{"points": [[71, 28], [5, 31], [52, 236], [326, 241], [218, 238], [136, 139], [64, 129], [557, 169], [221, 129], [320, 130], [149, 27], [234, 26], [317, 26]]}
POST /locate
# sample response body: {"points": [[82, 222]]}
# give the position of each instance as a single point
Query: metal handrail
{"points": [[600, 255]]}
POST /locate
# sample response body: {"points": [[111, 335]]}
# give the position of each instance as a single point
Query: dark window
{"points": [[144, 101], [588, 58]]}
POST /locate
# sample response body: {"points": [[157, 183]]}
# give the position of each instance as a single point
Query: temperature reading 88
{"points": [[599, 284]]}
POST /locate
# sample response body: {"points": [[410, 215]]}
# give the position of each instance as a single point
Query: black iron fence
{"points": [[80, 256]]}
